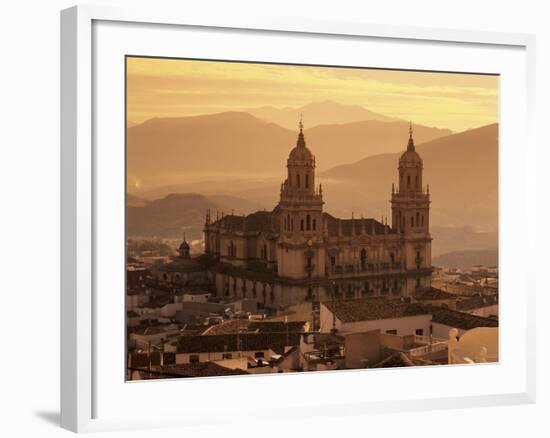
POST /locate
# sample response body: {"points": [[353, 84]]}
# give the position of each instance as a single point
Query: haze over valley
{"points": [[179, 167]]}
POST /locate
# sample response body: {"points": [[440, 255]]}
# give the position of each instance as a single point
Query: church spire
{"points": [[301, 143], [410, 145]]}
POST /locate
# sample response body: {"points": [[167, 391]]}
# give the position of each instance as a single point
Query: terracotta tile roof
{"points": [[237, 342], [201, 369], [476, 302], [370, 309], [395, 360], [369, 224], [181, 265], [461, 320], [255, 222], [433, 294], [247, 326], [141, 360]]}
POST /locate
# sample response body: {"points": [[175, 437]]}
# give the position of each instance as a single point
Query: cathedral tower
{"points": [[300, 212], [410, 216]]}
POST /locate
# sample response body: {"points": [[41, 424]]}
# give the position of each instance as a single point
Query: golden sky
{"points": [[174, 88]]}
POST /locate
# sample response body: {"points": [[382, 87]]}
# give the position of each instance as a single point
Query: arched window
{"points": [[417, 219], [412, 221], [314, 225], [408, 180], [307, 181], [416, 181], [298, 180], [422, 220], [301, 225], [308, 222], [363, 258]]}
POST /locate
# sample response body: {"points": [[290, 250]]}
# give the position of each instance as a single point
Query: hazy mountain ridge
{"points": [[461, 170], [467, 259], [169, 216], [164, 151], [325, 112]]}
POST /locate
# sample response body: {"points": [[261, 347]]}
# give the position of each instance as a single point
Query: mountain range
{"points": [[326, 112], [461, 170], [164, 151]]}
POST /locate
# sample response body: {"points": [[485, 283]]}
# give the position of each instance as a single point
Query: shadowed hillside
{"points": [[461, 169], [169, 216]]}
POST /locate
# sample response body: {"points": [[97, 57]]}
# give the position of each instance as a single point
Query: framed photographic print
{"points": [[290, 209]]}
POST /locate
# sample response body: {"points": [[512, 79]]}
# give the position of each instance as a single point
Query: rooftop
{"points": [[461, 320], [351, 227], [248, 326], [370, 309], [476, 302], [237, 342], [433, 294], [201, 369]]}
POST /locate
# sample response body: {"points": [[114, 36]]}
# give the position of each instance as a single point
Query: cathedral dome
{"points": [[300, 151], [410, 156], [300, 154]]}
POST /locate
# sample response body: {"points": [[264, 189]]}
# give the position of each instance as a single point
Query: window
{"points": [[391, 332], [422, 220], [417, 219], [392, 257], [332, 261], [307, 181], [301, 225], [314, 224], [308, 222], [416, 181], [419, 332], [408, 180], [259, 354], [363, 257], [298, 180], [412, 221], [194, 358]]}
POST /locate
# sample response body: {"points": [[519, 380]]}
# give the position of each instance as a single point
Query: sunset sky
{"points": [[175, 88]]}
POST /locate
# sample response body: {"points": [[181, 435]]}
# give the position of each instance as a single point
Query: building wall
{"points": [[404, 326], [362, 349], [182, 358], [442, 330]]}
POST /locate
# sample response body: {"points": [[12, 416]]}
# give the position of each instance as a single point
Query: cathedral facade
{"points": [[297, 252]]}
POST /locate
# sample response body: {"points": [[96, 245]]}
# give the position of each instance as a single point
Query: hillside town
{"points": [[296, 289]]}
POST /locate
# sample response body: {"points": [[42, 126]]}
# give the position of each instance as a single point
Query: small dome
{"points": [[300, 153], [410, 156], [184, 245]]}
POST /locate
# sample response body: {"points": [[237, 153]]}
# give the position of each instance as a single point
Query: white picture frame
{"points": [[82, 380]]}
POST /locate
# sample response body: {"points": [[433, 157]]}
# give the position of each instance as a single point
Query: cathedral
{"points": [[297, 252]]}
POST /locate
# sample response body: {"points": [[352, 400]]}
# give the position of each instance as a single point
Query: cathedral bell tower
{"points": [[411, 215], [300, 253]]}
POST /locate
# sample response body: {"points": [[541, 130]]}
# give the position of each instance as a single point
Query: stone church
{"points": [[297, 252]]}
